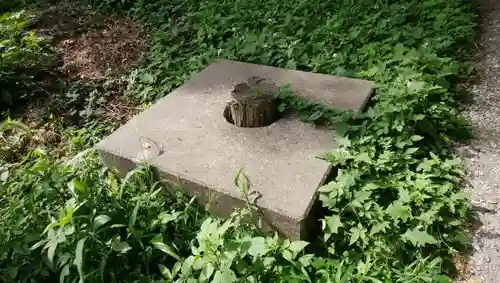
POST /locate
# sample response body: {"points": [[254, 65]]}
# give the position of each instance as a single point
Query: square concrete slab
{"points": [[185, 137]]}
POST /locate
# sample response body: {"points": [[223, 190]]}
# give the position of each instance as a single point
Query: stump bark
{"points": [[254, 103]]}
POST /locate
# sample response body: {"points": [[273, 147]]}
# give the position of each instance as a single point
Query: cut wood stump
{"points": [[254, 103]]}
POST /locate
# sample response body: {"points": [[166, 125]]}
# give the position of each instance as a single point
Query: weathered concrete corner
{"points": [[187, 139]]}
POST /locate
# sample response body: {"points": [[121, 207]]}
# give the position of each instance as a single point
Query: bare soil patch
{"points": [[112, 49], [91, 45], [90, 48]]}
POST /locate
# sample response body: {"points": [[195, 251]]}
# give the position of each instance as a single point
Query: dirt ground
{"points": [[91, 49], [91, 45]]}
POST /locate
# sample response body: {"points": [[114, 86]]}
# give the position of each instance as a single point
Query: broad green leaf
{"points": [[121, 247], [286, 243], [177, 267], [102, 267], [418, 117], [416, 86], [207, 272], [355, 233], [282, 107], [101, 220], [224, 276], [68, 230], [363, 157], [64, 273], [224, 227], [166, 249], [429, 216], [187, 265], [370, 187], [416, 138], [331, 186], [165, 272], [346, 180], [76, 187], [258, 247], [341, 128], [268, 262], [419, 238], [38, 244], [333, 223], [4, 176], [442, 279], [298, 246], [287, 255], [404, 196], [199, 263], [133, 217], [157, 238], [315, 116], [51, 251], [206, 225], [168, 217], [79, 257], [360, 198], [460, 196], [411, 150], [379, 227], [397, 210], [343, 142], [306, 260], [12, 271]]}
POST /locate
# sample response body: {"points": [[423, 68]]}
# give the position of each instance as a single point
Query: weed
{"points": [[22, 57], [394, 213], [89, 223]]}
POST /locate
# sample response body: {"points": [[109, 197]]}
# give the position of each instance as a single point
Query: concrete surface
{"points": [[186, 138]]}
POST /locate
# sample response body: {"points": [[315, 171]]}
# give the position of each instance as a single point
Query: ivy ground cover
{"points": [[394, 213]]}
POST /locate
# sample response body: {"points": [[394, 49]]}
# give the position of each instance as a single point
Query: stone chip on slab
{"points": [[185, 137]]}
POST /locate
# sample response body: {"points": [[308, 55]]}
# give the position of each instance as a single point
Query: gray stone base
{"points": [[185, 137]]}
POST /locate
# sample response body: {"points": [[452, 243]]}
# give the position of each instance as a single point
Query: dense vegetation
{"points": [[394, 213], [23, 57]]}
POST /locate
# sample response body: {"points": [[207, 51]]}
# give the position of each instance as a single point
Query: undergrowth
{"points": [[23, 56], [394, 213]]}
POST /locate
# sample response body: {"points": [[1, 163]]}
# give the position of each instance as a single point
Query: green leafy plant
{"points": [[394, 213], [313, 112], [22, 57], [226, 252], [77, 223]]}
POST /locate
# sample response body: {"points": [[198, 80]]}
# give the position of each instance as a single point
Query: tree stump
{"points": [[254, 103]]}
